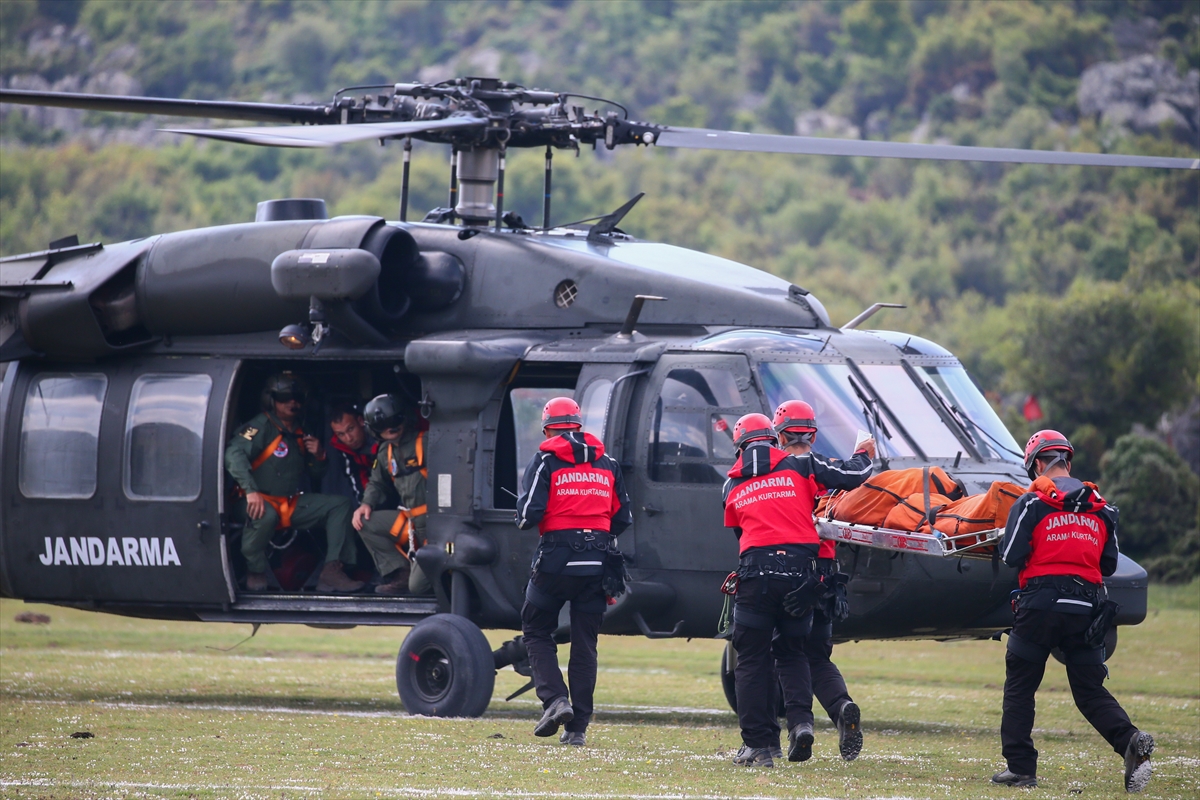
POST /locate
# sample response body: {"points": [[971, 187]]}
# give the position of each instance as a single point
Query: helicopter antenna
{"points": [[608, 223], [500, 190], [546, 189], [404, 179]]}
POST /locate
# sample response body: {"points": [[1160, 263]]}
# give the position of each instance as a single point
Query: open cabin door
{"points": [[112, 476], [684, 447]]}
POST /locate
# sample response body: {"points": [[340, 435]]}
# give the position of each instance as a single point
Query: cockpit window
{"points": [[750, 339], [912, 345], [827, 388], [904, 399], [692, 440], [956, 386]]}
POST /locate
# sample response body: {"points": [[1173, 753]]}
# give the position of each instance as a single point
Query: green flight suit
{"points": [[280, 476], [403, 472]]}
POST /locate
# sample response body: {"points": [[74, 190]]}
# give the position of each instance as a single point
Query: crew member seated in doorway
{"points": [[394, 535], [796, 424], [269, 457], [351, 453]]}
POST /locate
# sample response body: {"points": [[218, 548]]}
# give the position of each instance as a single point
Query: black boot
{"points": [[754, 757], [558, 712], [1009, 778], [849, 725], [1137, 762], [800, 742]]}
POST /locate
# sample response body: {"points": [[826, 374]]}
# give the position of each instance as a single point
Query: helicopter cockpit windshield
{"points": [[916, 410], [828, 389]]}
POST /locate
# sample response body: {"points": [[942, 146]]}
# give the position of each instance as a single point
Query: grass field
{"points": [[299, 712]]}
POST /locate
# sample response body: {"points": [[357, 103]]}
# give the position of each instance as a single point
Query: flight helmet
{"points": [[281, 388], [384, 412]]}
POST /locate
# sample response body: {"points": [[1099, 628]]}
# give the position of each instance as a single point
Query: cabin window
{"points": [[60, 434], [527, 405], [692, 439], [594, 407], [164, 437]]}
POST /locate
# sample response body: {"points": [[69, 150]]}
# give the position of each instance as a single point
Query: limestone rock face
{"points": [[1141, 94]]}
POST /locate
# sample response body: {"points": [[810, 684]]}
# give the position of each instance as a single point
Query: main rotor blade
{"points": [[705, 139], [212, 109], [329, 135]]}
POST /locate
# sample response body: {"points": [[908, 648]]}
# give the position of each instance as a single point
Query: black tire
{"points": [[729, 685], [728, 658], [445, 668]]}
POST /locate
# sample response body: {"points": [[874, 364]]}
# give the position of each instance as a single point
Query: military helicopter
{"points": [[124, 368]]}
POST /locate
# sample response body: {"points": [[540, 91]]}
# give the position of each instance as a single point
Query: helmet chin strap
{"points": [[1059, 458], [804, 437]]}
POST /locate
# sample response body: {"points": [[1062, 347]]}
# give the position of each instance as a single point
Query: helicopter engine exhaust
{"points": [[237, 279]]}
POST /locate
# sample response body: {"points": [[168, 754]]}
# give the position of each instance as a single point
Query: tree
{"points": [[1106, 356], [1158, 496]]}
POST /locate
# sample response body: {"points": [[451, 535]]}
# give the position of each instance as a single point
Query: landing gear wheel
{"points": [[729, 685], [445, 668]]}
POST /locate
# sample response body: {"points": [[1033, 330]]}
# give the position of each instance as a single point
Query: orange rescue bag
{"points": [[871, 503], [910, 513], [979, 512]]}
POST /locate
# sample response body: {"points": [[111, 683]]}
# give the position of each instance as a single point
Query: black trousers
{"points": [[1049, 629], [828, 685], [538, 625], [769, 642]]}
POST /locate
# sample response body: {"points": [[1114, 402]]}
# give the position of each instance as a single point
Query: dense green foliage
{"points": [[1078, 286], [1158, 496]]}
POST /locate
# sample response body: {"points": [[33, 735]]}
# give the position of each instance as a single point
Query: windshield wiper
{"points": [[874, 421], [975, 426]]}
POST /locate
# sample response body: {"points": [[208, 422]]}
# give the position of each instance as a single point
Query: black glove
{"points": [[801, 600], [839, 606], [615, 575], [1094, 636]]}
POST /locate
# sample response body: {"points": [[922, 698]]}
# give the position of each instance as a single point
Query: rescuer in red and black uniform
{"points": [[796, 424], [769, 501], [576, 496], [1062, 536]]}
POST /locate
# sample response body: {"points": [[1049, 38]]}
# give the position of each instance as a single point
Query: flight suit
{"points": [[263, 456], [394, 535]]}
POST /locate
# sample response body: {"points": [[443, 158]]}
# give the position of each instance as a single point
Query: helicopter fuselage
{"points": [[130, 366]]}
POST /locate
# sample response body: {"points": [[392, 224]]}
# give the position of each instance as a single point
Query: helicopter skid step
{"points": [[325, 610], [979, 545]]}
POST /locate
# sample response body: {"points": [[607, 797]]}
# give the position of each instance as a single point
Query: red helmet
{"points": [[1043, 441], [561, 413], [795, 415], [752, 428]]}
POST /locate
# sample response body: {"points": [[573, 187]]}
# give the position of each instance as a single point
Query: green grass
{"points": [[300, 712]]}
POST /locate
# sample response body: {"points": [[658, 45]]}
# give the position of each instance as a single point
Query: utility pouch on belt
{"points": [[1065, 594], [582, 552], [1094, 636]]}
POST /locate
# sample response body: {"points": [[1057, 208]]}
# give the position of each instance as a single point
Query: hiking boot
{"points": [[394, 583], [573, 738], [1137, 762], [849, 725], [776, 753], [256, 582], [334, 580], [800, 742], [557, 713], [754, 757], [1009, 778]]}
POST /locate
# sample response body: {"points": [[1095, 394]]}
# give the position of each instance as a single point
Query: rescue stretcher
{"points": [[980, 545]]}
